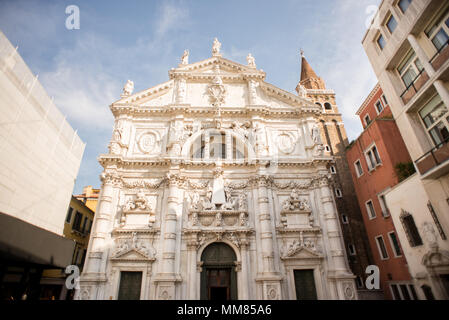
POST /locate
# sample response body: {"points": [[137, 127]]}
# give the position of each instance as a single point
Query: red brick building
{"points": [[372, 159]]}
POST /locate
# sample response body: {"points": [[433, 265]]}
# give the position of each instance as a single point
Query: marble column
{"points": [[244, 244], [98, 245], [167, 277], [339, 272], [192, 281], [270, 279]]}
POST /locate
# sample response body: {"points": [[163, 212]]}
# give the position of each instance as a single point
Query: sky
{"points": [[85, 69]]}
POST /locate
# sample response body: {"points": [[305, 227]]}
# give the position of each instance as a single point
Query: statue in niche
{"points": [[206, 202], [128, 88], [242, 202], [252, 85], [429, 234], [195, 220], [216, 46], [243, 219], [185, 57], [134, 240], [316, 136], [194, 201], [259, 134], [250, 60], [218, 219]]}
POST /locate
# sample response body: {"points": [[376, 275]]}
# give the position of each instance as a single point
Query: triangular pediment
{"points": [[303, 253], [227, 68], [147, 94], [231, 74], [133, 255]]}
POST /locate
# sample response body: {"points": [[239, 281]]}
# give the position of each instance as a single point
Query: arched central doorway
{"points": [[218, 278]]}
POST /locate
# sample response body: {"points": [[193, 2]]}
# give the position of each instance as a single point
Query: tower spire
{"points": [[309, 78]]}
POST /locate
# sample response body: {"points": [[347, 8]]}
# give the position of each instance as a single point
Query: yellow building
{"points": [[77, 227], [89, 197]]}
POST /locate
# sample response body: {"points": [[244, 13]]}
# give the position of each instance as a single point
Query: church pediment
{"points": [[133, 255], [228, 69], [158, 91], [242, 85], [302, 253]]}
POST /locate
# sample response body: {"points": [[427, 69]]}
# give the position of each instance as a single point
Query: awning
{"points": [[25, 242]]}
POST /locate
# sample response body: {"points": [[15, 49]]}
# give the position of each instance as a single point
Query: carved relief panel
{"points": [[138, 210]]}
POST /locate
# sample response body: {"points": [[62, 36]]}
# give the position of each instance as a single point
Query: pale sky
{"points": [[85, 70]]}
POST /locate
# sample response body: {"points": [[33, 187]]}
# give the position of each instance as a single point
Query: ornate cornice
{"points": [[298, 111]]}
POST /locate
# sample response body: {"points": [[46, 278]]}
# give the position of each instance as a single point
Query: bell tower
{"points": [[333, 135]]}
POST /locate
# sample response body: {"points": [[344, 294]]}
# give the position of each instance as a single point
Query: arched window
{"points": [[213, 145], [319, 104], [327, 106]]}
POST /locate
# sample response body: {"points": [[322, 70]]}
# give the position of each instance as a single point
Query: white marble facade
{"points": [[215, 154]]}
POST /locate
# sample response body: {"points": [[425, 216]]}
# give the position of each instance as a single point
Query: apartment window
{"points": [[351, 249], [383, 206], [381, 42], [435, 117], [381, 246], [404, 4], [359, 282], [403, 291], [69, 215], [391, 24], [395, 244], [427, 292], [379, 107], [333, 170], [370, 209], [77, 221], [411, 231], [367, 120], [439, 32], [75, 260], [84, 225], [89, 226], [344, 219], [384, 99], [409, 68], [338, 193], [373, 158], [358, 168]]}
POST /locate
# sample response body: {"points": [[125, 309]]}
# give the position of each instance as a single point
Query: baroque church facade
{"points": [[217, 186]]}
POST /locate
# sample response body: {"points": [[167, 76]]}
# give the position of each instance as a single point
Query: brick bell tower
{"points": [[333, 135]]}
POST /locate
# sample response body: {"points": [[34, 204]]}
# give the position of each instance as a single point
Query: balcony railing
{"points": [[414, 87], [440, 57], [433, 158]]}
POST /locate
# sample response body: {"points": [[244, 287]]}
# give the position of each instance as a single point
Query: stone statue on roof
{"points": [[216, 46]]}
